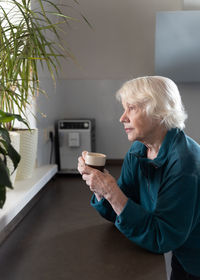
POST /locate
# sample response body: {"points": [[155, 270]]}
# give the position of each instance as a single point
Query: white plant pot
{"points": [[15, 141], [28, 152]]}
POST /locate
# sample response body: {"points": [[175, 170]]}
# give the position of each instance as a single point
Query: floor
{"points": [[38, 247]]}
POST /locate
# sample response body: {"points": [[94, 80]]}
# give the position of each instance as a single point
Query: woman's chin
{"points": [[131, 138]]}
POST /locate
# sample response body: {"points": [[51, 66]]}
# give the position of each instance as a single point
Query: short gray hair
{"points": [[159, 96]]}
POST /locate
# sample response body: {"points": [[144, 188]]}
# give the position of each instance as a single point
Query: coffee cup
{"points": [[95, 160]]}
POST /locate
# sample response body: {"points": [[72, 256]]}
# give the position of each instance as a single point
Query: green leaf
{"points": [[4, 135], [5, 176], [13, 155], [2, 195], [8, 117], [3, 152]]}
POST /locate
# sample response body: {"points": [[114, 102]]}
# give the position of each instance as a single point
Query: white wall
{"points": [[120, 47]]}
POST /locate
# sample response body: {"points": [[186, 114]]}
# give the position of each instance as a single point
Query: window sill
{"points": [[23, 192]]}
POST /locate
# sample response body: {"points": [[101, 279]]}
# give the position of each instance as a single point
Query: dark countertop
{"points": [[102, 252], [63, 238]]}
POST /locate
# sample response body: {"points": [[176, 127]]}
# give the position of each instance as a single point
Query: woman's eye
{"points": [[132, 107]]}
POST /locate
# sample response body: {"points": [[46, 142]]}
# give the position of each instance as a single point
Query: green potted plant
{"points": [[23, 43], [29, 34], [7, 152]]}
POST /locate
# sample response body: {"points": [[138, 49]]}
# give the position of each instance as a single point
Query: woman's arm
{"points": [[169, 225], [110, 197], [104, 185]]}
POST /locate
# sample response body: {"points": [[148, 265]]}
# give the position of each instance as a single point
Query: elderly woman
{"points": [[156, 201]]}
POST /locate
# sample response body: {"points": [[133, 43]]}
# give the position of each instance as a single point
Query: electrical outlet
{"points": [[47, 131]]}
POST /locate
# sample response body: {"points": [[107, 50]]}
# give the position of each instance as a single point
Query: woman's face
{"points": [[137, 124]]}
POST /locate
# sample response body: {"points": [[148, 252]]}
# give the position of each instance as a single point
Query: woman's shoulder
{"points": [[185, 145], [185, 153]]}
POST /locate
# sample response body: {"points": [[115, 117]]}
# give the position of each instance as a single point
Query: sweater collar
{"points": [[140, 150]]}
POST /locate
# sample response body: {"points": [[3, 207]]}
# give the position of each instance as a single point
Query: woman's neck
{"points": [[154, 143]]}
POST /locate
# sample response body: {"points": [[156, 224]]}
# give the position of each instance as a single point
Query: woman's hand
{"points": [[102, 184], [99, 182], [81, 163], [84, 169]]}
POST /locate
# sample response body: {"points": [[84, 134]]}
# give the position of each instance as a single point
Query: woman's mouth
{"points": [[128, 130]]}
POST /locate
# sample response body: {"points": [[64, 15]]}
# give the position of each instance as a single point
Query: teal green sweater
{"points": [[163, 210]]}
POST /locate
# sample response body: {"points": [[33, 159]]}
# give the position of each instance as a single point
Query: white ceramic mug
{"points": [[95, 160]]}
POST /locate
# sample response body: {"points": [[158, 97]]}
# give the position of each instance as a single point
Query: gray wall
{"points": [[120, 47], [177, 45], [85, 99], [191, 98]]}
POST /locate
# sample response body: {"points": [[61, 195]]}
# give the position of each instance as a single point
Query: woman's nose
{"points": [[123, 118]]}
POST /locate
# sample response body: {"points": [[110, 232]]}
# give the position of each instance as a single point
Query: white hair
{"points": [[159, 96]]}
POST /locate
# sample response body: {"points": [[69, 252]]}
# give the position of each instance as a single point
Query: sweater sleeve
{"points": [[168, 226], [104, 208]]}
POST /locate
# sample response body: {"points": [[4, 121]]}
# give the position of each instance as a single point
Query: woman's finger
{"points": [[84, 154], [81, 160], [86, 178], [81, 165]]}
